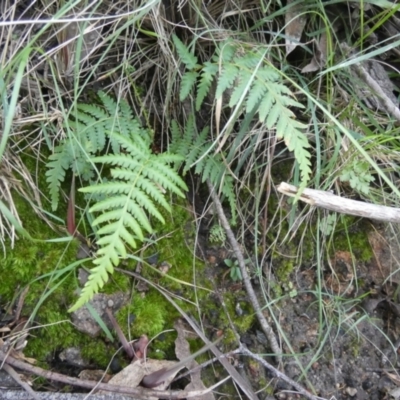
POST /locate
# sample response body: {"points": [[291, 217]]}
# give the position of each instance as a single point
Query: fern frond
{"points": [[57, 167], [134, 194], [99, 274], [226, 52], [180, 141], [208, 72], [243, 83], [226, 79], [110, 105], [187, 83], [297, 142], [187, 58], [125, 111], [92, 110], [256, 92], [198, 147]]}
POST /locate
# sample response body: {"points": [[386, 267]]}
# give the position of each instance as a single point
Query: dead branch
{"points": [[266, 327], [141, 393], [330, 201]]}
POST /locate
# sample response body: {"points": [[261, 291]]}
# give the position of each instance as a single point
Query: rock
{"points": [[83, 319], [72, 356], [351, 391]]}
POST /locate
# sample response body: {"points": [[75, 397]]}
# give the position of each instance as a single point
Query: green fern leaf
{"points": [[296, 141], [187, 83], [226, 79], [187, 58], [98, 275], [57, 166], [225, 53], [208, 73], [133, 195], [197, 148], [125, 111], [255, 94], [241, 88], [109, 104]]}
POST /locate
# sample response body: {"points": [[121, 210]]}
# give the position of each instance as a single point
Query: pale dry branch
{"points": [[332, 202]]}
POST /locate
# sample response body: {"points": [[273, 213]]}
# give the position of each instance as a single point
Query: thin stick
{"points": [[266, 327], [330, 201], [278, 373], [140, 392], [10, 371]]}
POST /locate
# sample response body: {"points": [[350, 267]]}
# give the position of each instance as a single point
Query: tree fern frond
{"points": [[187, 83], [187, 58]]}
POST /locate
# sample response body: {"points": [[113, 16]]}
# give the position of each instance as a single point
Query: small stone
{"points": [[72, 356], [351, 391]]}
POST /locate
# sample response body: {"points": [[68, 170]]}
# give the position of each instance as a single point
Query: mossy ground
{"points": [[46, 268], [38, 264]]}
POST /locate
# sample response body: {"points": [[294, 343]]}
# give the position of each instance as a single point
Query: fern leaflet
{"points": [[187, 58]]}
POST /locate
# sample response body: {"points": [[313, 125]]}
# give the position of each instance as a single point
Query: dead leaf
{"points": [[295, 23], [395, 378], [319, 58], [134, 373], [182, 351]]}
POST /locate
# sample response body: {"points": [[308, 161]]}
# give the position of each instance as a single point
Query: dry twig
{"points": [[278, 373], [140, 392], [246, 278], [329, 201]]}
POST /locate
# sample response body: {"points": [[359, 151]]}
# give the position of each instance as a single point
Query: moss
{"points": [[351, 234], [43, 266]]}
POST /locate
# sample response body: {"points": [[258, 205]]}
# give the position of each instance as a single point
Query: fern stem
{"points": [[266, 327]]}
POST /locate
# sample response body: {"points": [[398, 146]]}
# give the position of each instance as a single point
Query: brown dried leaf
{"points": [[395, 378], [134, 373], [182, 351], [319, 58], [295, 23]]}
